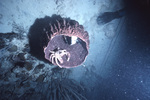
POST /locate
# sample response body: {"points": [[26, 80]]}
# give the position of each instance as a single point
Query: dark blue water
{"points": [[129, 78]]}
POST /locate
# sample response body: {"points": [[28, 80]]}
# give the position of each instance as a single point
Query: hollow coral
{"points": [[59, 33]]}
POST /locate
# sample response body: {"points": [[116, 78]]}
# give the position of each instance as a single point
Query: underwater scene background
{"points": [[110, 62]]}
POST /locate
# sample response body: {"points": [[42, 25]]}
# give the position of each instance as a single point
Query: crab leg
{"points": [[60, 60], [58, 63], [68, 54], [53, 58]]}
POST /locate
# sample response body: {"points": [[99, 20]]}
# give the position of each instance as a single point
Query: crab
{"points": [[56, 56]]}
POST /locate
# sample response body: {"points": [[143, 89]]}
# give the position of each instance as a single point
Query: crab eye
{"points": [[60, 52]]}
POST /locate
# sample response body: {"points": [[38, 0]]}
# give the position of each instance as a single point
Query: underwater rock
{"points": [[38, 68], [18, 60], [20, 64], [2, 43], [9, 36], [40, 78], [21, 56], [26, 85], [13, 48], [27, 48], [21, 76], [28, 66]]}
